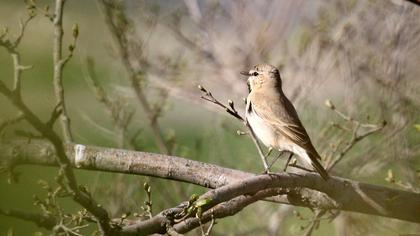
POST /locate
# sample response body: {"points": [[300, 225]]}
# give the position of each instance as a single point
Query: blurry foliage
{"points": [[362, 55]]}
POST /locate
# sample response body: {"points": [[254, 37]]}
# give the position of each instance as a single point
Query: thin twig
{"points": [[350, 144], [118, 26], [208, 96], [10, 121], [59, 64], [11, 46], [47, 131], [356, 136], [121, 116], [314, 222], [212, 223], [346, 192]]}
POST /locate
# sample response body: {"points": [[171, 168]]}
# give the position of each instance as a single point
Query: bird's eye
{"points": [[255, 73]]}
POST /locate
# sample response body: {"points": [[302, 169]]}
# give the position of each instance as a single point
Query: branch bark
{"points": [[309, 189], [415, 2], [58, 69], [39, 219]]}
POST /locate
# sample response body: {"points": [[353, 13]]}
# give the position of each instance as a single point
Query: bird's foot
{"points": [[267, 171], [270, 149], [288, 161]]}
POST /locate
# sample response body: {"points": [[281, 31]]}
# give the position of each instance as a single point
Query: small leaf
{"points": [[147, 187], [417, 127], [202, 202], [329, 104], [199, 212], [202, 88], [390, 177], [44, 184], [75, 30], [193, 198]]}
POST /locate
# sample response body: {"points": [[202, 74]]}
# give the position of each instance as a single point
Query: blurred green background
{"points": [[339, 50]]}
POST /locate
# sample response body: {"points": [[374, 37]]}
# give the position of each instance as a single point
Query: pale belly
{"points": [[264, 133], [270, 138]]}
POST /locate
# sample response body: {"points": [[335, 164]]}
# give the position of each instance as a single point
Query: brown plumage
{"points": [[273, 118]]}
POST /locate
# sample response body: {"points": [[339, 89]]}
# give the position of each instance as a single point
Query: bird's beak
{"points": [[244, 73]]}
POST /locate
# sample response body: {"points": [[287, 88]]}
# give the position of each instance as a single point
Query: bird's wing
{"points": [[282, 116]]}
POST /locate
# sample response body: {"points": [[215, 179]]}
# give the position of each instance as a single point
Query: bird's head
{"points": [[263, 75]]}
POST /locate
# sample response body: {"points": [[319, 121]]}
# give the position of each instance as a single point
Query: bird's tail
{"points": [[318, 167]]}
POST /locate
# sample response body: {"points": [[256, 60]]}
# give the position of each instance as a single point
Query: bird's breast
{"points": [[262, 130]]}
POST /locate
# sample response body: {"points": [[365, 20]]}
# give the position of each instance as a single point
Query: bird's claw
{"points": [[267, 171]]}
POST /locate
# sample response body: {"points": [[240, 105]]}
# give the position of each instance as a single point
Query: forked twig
{"points": [[46, 128], [356, 134]]}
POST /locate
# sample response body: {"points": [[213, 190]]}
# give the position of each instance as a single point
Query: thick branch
{"points": [[336, 193], [40, 220], [160, 222], [226, 209]]}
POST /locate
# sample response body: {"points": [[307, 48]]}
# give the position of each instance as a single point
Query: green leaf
{"points": [[390, 177], [193, 198], [417, 127], [199, 212], [202, 202]]}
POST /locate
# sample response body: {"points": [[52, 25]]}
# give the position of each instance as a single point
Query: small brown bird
{"points": [[274, 120]]}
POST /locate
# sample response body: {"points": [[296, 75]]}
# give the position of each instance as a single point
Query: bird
{"points": [[274, 120]]}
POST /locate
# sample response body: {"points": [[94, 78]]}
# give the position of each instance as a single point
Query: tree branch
{"points": [[45, 128], [38, 219], [121, 116], [59, 64], [337, 193], [165, 219], [415, 2], [118, 26], [208, 96], [61, 159]]}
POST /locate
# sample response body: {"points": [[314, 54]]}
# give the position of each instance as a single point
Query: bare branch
{"points": [[356, 135], [80, 197], [45, 129], [208, 96], [54, 115], [118, 26], [314, 224], [121, 116], [11, 45], [340, 193], [251, 186], [226, 209], [22, 27], [11, 121], [39, 219], [59, 64]]}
